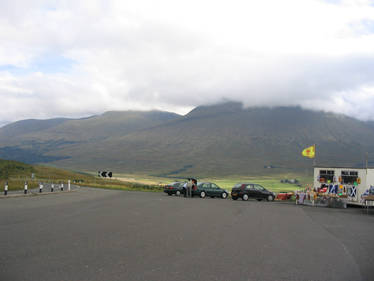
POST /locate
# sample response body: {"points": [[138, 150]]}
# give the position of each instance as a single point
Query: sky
{"points": [[75, 58]]}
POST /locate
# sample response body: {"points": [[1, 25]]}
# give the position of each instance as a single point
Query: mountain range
{"points": [[214, 140]]}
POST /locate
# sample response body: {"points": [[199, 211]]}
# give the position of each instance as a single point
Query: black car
{"points": [[174, 188], [251, 190], [212, 190]]}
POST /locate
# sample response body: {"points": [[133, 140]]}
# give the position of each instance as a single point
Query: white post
{"points": [[52, 186], [40, 187], [62, 186], [69, 185], [25, 191], [6, 188]]}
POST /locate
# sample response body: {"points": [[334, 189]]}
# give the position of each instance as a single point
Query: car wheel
{"points": [[235, 198], [245, 197], [224, 195], [202, 194], [178, 193], [270, 198]]}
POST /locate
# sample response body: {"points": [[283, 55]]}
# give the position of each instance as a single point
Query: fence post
{"points": [[6, 188], [25, 191], [69, 185], [62, 186], [52, 186], [40, 187]]}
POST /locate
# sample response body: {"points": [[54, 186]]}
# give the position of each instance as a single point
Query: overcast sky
{"points": [[77, 58]]}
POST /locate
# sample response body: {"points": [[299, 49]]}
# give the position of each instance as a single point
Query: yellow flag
{"points": [[309, 151]]}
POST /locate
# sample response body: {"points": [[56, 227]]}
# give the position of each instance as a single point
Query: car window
{"points": [[249, 187], [214, 186], [259, 187], [206, 185]]}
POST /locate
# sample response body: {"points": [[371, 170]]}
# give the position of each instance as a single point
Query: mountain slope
{"points": [[224, 139], [244, 141], [25, 127], [41, 137]]}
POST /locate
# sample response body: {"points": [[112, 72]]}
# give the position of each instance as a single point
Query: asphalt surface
{"points": [[95, 234]]}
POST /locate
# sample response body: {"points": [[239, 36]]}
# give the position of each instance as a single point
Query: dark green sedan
{"points": [[212, 190]]}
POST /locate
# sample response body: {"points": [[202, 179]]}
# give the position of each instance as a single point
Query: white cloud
{"points": [[173, 55]]}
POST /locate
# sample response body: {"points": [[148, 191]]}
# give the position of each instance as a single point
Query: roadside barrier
{"points": [[34, 187]]}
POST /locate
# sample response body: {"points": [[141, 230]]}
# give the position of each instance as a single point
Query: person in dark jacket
{"points": [[194, 185]]}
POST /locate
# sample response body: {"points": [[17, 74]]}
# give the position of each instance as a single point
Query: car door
{"points": [[206, 187], [210, 189], [250, 191], [259, 192], [198, 190], [216, 191]]}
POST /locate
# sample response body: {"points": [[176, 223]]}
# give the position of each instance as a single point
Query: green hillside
{"points": [[16, 173], [9, 169]]}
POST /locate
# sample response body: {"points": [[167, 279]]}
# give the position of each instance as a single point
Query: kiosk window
{"points": [[349, 177], [327, 175]]}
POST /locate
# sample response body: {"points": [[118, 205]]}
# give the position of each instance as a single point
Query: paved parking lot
{"points": [[96, 234]]}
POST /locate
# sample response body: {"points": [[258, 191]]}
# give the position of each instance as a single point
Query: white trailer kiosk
{"points": [[349, 182]]}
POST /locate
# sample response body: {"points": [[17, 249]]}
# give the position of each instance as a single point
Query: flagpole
{"points": [[315, 156]]}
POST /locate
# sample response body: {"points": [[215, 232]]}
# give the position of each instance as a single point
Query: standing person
{"points": [[194, 184], [185, 189], [189, 188]]}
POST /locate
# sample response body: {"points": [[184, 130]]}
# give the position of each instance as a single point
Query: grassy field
{"points": [[16, 173]]}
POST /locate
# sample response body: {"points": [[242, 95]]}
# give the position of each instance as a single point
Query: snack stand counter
{"points": [[344, 184]]}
